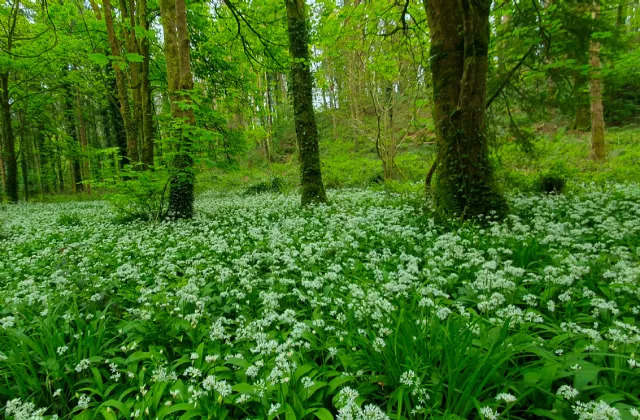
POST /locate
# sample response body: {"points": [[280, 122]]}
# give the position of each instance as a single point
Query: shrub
{"points": [[275, 184], [139, 195], [551, 183]]}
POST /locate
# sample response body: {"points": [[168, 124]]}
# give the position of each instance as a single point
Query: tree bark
{"points": [[9, 141], [598, 151], [465, 186], [72, 132], [304, 115], [125, 107], [147, 132], [84, 146], [177, 46], [25, 152], [3, 172]]}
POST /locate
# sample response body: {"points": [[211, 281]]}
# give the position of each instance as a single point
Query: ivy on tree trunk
{"points": [[180, 81], [465, 186]]}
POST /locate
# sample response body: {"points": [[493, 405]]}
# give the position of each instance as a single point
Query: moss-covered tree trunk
{"points": [[180, 80], [304, 115], [9, 153], [465, 186]]}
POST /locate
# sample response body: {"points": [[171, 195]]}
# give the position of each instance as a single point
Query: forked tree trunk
{"points": [[180, 80], [598, 151], [465, 186], [304, 115]]}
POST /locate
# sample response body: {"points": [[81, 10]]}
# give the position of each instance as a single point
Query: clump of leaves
{"points": [[275, 184], [551, 182], [69, 219], [139, 195]]}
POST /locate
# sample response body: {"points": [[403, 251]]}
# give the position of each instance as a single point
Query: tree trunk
{"points": [[147, 137], [41, 159], [3, 172], [465, 186], [177, 46], [304, 115], [9, 141], [24, 152], [60, 172], [72, 132], [598, 151], [125, 107], [84, 146]]}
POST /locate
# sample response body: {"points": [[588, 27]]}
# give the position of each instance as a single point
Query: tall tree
{"points": [[9, 138], [598, 151], [304, 115], [121, 83], [180, 80], [147, 130], [465, 185]]}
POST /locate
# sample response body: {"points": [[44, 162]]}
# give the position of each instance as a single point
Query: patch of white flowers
{"points": [[267, 289]]}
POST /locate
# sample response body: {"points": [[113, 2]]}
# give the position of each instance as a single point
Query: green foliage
{"points": [[551, 183], [259, 308], [139, 195], [69, 219], [275, 184]]}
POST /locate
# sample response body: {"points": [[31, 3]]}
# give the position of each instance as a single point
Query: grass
{"points": [[562, 153]]}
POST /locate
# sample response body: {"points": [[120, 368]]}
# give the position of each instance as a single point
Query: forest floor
{"points": [[361, 309], [519, 164]]}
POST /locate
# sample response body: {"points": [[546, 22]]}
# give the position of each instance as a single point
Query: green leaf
{"points": [[121, 407], [100, 59], [134, 58], [336, 382], [323, 414], [539, 412]]}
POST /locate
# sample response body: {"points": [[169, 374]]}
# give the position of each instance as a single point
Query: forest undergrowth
{"points": [[360, 309]]}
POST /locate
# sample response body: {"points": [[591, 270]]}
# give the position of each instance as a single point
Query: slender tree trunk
{"points": [[72, 132], [304, 115], [9, 141], [270, 112], [465, 185], [3, 172], [123, 93], [148, 135], [84, 146], [598, 151], [177, 46], [128, 11], [41, 159], [24, 152], [60, 171]]}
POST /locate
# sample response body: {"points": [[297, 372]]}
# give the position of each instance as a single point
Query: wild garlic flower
{"points": [[567, 392], [489, 413], [506, 397]]}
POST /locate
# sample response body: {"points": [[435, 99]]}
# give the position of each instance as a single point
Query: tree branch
{"points": [[506, 80]]}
